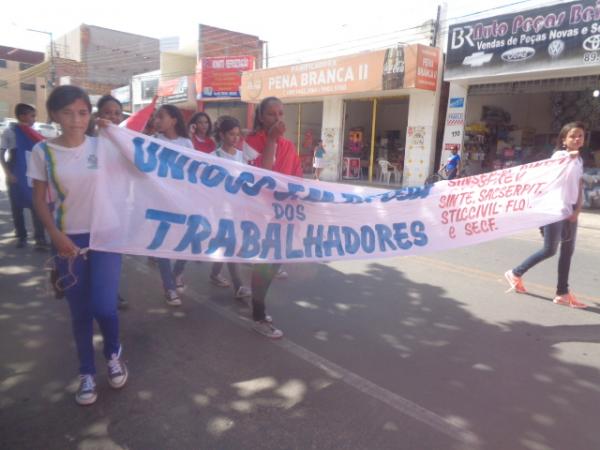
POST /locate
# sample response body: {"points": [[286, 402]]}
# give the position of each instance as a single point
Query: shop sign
{"points": [[414, 66], [456, 102], [416, 138], [174, 91], [427, 68], [560, 36], [221, 77], [355, 73]]}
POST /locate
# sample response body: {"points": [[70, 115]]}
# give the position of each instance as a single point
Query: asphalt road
{"points": [[409, 353]]}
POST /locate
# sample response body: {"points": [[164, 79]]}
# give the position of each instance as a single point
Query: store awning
{"points": [[413, 66]]}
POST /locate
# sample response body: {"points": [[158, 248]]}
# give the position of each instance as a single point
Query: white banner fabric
{"points": [[161, 200]]}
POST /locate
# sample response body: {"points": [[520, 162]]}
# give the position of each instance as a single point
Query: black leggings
{"points": [[233, 271], [262, 276]]}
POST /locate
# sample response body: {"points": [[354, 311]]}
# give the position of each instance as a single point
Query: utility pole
{"points": [[52, 79], [436, 29]]}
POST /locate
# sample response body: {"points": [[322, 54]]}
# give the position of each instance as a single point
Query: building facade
{"points": [[109, 57], [516, 78], [12, 89], [376, 112]]}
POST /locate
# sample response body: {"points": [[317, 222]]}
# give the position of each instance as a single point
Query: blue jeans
{"points": [[563, 233], [167, 275], [17, 208], [93, 296]]}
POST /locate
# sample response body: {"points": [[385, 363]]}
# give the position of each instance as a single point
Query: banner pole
{"points": [[373, 123], [299, 128]]}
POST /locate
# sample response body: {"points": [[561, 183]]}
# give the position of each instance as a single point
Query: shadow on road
{"points": [[199, 381]]}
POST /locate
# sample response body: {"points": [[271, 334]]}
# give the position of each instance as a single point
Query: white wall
{"points": [[422, 115], [332, 132], [68, 46]]}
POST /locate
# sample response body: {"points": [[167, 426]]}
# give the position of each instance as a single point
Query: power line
{"points": [[359, 42]]}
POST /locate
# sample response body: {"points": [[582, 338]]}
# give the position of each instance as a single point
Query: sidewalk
{"points": [[590, 218]]}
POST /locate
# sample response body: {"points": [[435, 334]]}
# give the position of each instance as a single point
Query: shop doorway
{"points": [[375, 139], [509, 124], [303, 127]]}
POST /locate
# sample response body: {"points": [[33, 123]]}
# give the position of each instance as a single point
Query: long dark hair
{"points": [[174, 112], [62, 96], [565, 130], [197, 116], [260, 110]]}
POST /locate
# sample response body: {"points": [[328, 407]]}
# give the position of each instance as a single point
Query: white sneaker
{"points": [[219, 280], [172, 298], [179, 284], [117, 371], [281, 274], [243, 292], [267, 329], [86, 394]]}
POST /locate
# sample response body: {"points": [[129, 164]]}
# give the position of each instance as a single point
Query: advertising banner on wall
{"points": [[414, 66], [174, 91], [221, 77], [560, 36], [422, 67]]}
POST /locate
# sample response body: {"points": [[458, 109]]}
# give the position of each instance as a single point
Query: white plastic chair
{"points": [[388, 170]]}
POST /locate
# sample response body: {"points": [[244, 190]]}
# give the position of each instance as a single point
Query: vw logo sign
{"points": [[555, 48], [592, 43], [518, 54]]}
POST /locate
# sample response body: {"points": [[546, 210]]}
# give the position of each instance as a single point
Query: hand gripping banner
{"points": [[158, 199]]}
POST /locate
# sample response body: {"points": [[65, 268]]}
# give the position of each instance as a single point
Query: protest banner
{"points": [[158, 199]]}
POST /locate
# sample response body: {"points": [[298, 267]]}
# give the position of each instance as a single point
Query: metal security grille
{"points": [[536, 86]]}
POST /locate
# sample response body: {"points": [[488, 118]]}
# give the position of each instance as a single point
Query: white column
{"points": [[454, 129], [332, 135], [421, 132]]}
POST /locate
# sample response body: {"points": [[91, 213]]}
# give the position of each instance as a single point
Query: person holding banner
{"points": [[228, 131], [571, 139], [273, 152], [170, 127], [109, 108], [68, 167], [200, 128]]}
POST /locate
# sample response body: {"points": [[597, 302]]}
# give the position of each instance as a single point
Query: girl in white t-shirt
{"points": [[170, 127], [570, 139], [67, 166], [228, 131]]}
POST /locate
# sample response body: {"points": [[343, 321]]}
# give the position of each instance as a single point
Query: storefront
{"points": [[144, 87], [515, 79], [376, 112], [217, 87]]}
